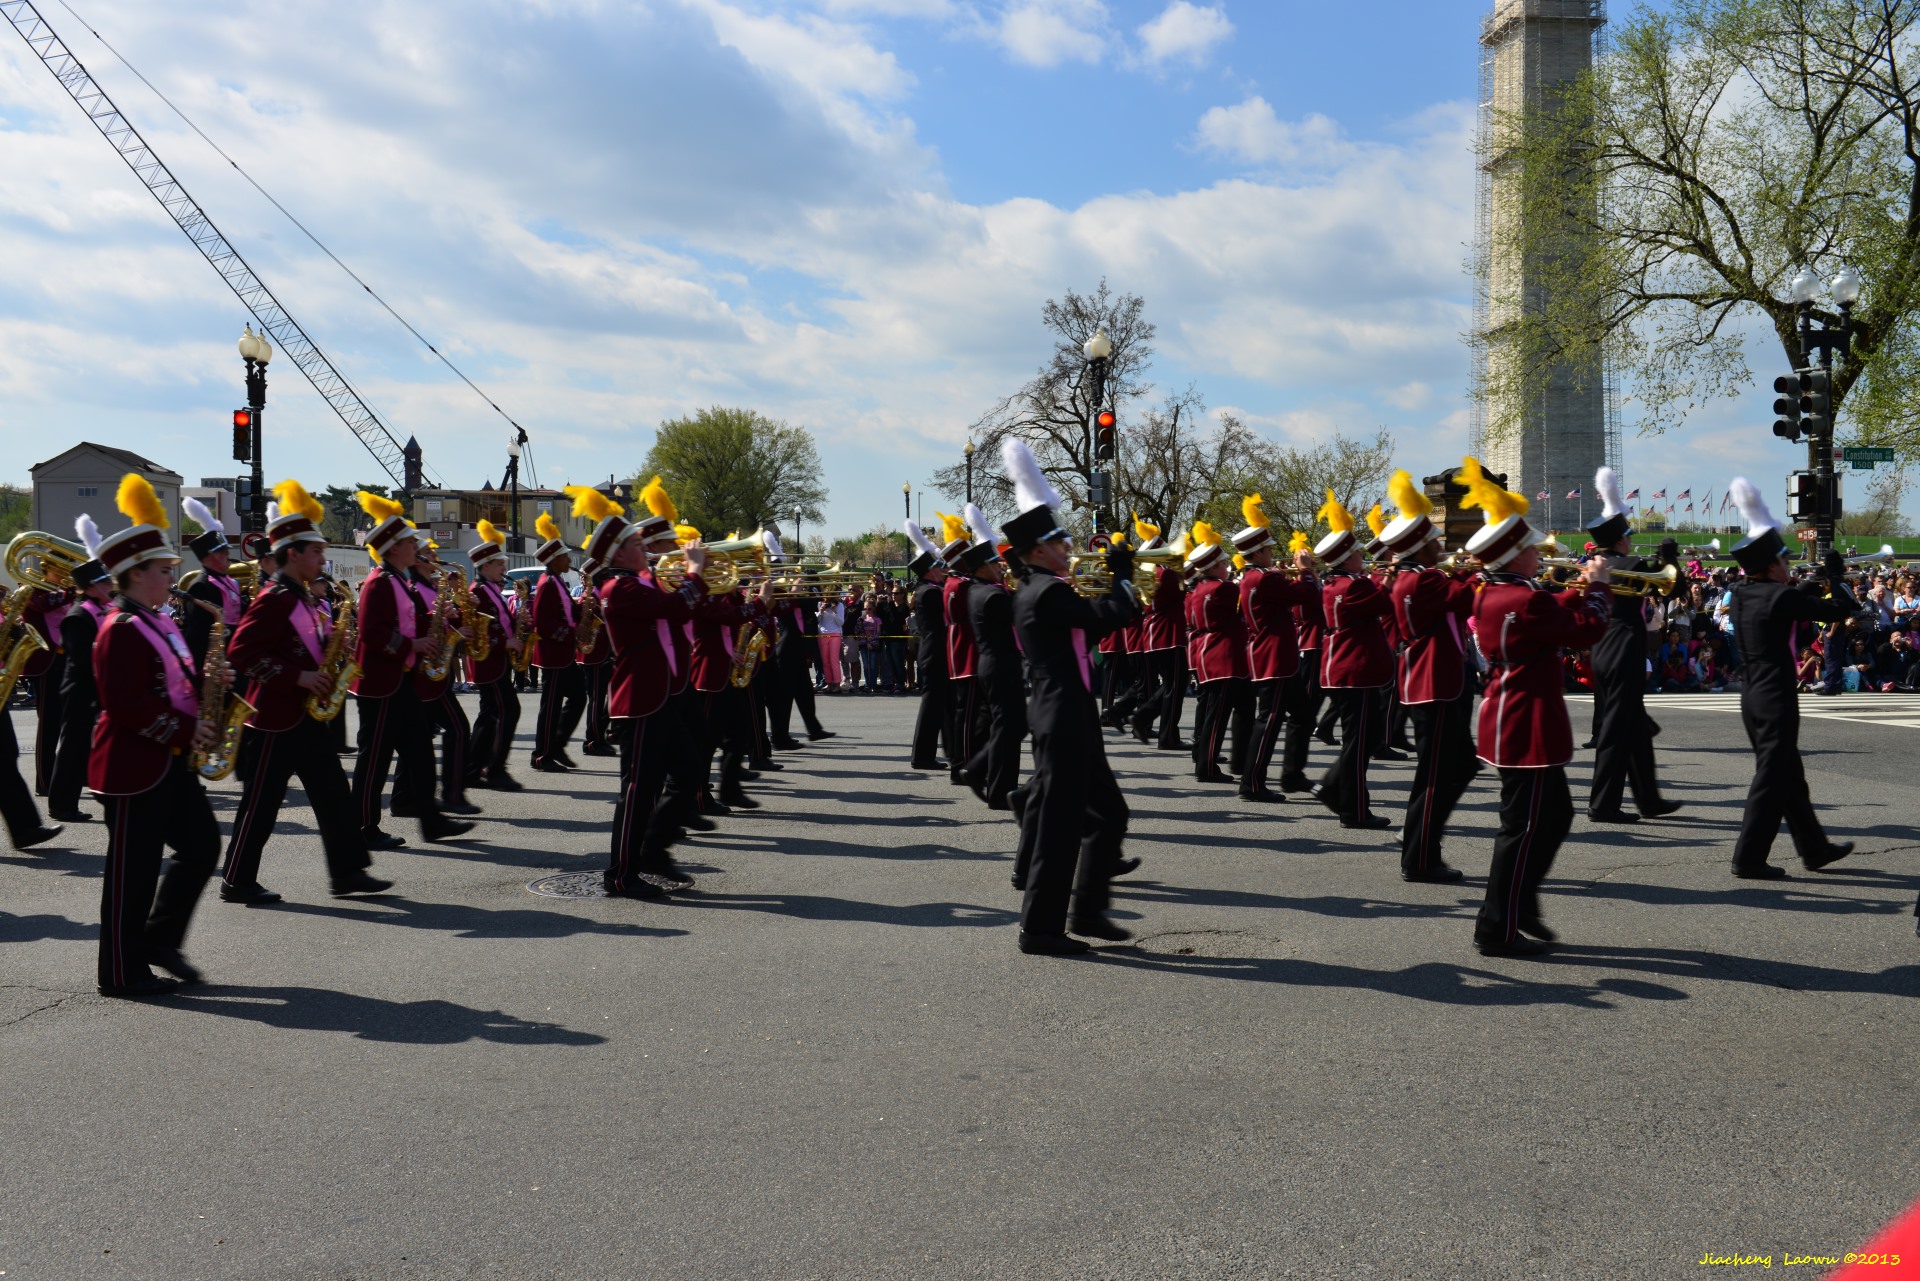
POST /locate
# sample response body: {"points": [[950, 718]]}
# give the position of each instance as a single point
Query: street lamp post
{"points": [[906, 500], [515, 444], [1098, 351], [256, 351], [968, 451], [1845, 290]]}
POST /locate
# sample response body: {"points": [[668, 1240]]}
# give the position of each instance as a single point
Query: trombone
{"points": [[1621, 582], [1089, 569], [45, 562], [729, 562], [1881, 557]]}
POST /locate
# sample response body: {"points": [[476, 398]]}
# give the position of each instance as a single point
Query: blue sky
{"points": [[845, 213]]}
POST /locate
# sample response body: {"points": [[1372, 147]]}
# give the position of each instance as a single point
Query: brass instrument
{"points": [[1704, 551], [1881, 557], [1459, 561], [729, 562], [586, 633], [522, 626], [475, 634], [1621, 582], [243, 572], [43, 561], [1089, 569], [446, 601], [749, 647], [337, 661], [18, 649], [218, 703]]}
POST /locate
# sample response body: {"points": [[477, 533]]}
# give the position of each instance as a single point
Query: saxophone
{"points": [[337, 661], [475, 629], [523, 626], [586, 633], [441, 627], [219, 703], [14, 654], [748, 649]]}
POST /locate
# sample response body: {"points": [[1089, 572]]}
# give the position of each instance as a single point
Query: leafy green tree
{"points": [[343, 510], [1294, 480], [881, 545], [16, 511], [736, 469], [1717, 147]]}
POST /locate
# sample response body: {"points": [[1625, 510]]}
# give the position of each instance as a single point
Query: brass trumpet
{"points": [[728, 562], [1621, 582], [1090, 568], [44, 561]]}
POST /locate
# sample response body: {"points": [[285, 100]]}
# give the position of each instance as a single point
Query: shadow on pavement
{"points": [[368, 1018], [814, 907], [473, 922], [1438, 981], [28, 929]]}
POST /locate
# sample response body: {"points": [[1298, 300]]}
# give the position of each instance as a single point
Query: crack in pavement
{"points": [[61, 999]]}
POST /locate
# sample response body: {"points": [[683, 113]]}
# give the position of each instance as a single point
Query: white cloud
{"points": [[1184, 32], [1253, 135], [1046, 33]]}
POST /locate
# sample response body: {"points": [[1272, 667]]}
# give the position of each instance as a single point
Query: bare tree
{"points": [[1173, 470], [1295, 479]]}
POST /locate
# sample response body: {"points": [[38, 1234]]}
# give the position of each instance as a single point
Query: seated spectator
{"points": [[1864, 672], [1708, 665], [1898, 662], [1675, 664], [1807, 669], [1906, 601]]}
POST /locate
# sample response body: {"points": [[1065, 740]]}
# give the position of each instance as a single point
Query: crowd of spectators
{"points": [[866, 641]]}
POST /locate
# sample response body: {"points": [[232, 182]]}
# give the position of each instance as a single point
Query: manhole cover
{"points": [[572, 885]]}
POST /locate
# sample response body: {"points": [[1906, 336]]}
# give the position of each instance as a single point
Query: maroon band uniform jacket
{"points": [[269, 656], [553, 619], [644, 627], [717, 621], [1310, 619], [1356, 654], [1218, 648], [496, 611], [139, 730], [1431, 609], [1165, 624], [44, 613], [1522, 627], [384, 651], [1268, 599], [962, 657]]}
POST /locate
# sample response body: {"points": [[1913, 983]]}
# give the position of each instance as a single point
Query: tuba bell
{"points": [[1881, 557], [43, 561]]}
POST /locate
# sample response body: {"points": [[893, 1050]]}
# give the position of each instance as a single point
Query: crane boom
{"points": [[186, 212]]}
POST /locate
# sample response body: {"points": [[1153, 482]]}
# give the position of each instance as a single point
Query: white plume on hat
{"points": [[89, 534], [202, 517], [772, 541], [1030, 486], [1608, 483], [273, 512], [981, 527], [1752, 507], [918, 537]]}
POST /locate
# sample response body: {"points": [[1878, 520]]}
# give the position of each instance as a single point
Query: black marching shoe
{"points": [[698, 823], [461, 806], [640, 888], [1263, 796], [1519, 947], [255, 893], [1017, 802], [928, 765], [1325, 736], [1441, 874], [669, 874], [1368, 822], [1388, 754], [1145, 736], [504, 783], [474, 782], [1295, 783], [1660, 809], [1123, 866], [170, 960], [359, 883], [815, 735], [1099, 927], [599, 749], [403, 809], [38, 836], [1052, 945], [1760, 872], [713, 807], [70, 816], [1612, 816], [545, 766], [151, 985], [445, 830], [379, 840], [565, 761], [1539, 929], [739, 801], [1215, 776], [786, 744], [1835, 851]]}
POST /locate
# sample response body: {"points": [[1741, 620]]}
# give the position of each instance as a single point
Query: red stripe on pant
{"points": [[1520, 857], [376, 742], [1436, 745], [118, 915], [630, 804], [243, 825]]}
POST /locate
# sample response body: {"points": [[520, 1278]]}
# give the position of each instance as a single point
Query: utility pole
{"points": [[1100, 422]]}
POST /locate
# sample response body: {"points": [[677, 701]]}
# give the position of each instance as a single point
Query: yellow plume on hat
{"points": [[546, 528], [1299, 542], [1410, 501], [377, 507], [1204, 535], [1239, 561], [655, 497], [490, 533], [1250, 507], [952, 528], [139, 504], [686, 533], [1144, 530], [589, 504], [294, 497], [1376, 520], [1118, 538], [1496, 502], [1338, 518]]}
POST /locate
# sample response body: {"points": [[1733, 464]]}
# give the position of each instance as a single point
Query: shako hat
{"points": [[1612, 525], [213, 535], [1506, 533], [147, 539], [1033, 496], [1338, 545], [1414, 527], [1763, 545], [1259, 531]]}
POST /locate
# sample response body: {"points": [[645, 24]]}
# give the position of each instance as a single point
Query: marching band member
{"points": [[1389, 717], [1522, 628], [79, 697], [1217, 651], [680, 721], [499, 717], [1768, 611], [1268, 599], [1430, 610], [277, 650], [1139, 682], [722, 629], [1000, 698], [933, 727], [393, 640], [1622, 733], [441, 711], [46, 612], [216, 584], [142, 765], [17, 807], [1116, 674], [1356, 666], [562, 689], [1164, 639], [794, 654], [596, 669], [1074, 805], [954, 551], [1310, 623]]}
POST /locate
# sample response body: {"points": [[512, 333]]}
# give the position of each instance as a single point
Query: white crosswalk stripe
{"points": [[1900, 710]]}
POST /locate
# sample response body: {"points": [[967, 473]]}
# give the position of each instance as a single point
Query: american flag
{"points": [[1659, 493], [1541, 496], [1685, 493], [1575, 493], [1632, 494], [1726, 500]]}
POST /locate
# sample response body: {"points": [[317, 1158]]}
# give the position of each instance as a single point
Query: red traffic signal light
{"points": [[1103, 434], [1106, 420], [243, 418], [243, 435]]}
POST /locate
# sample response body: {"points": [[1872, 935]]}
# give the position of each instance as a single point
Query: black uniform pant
{"points": [[724, 729], [1080, 819], [1623, 744], [1116, 676], [393, 726], [961, 719], [494, 727], [796, 689], [304, 752], [1134, 684], [563, 698], [16, 798], [599, 678], [1168, 699], [1307, 698], [932, 728], [1444, 765], [1345, 785], [47, 706], [646, 743], [994, 766], [1536, 813], [1779, 791], [444, 717], [1256, 729], [1220, 704], [70, 758], [134, 921]]}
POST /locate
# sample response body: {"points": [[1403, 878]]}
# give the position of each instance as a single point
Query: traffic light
{"points": [[243, 435], [1803, 496], [1103, 434], [1786, 407], [243, 495], [1816, 402]]}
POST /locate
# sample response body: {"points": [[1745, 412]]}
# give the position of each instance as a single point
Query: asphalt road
{"points": [[831, 1061]]}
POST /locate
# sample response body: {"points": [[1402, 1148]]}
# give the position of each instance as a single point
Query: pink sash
{"points": [[175, 660], [403, 605], [1080, 652], [306, 622], [232, 601]]}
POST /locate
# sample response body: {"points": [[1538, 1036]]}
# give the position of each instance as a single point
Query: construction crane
{"points": [[253, 293]]}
